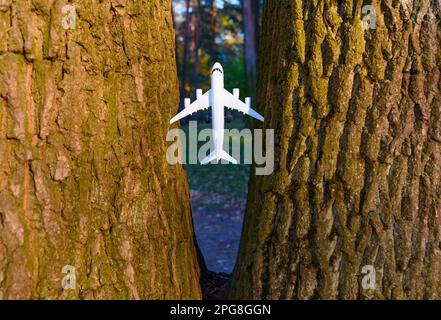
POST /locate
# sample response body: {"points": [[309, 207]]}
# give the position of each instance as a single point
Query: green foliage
{"points": [[226, 180], [226, 48]]}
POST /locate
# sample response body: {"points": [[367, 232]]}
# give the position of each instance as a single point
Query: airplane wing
{"points": [[200, 104], [234, 103]]}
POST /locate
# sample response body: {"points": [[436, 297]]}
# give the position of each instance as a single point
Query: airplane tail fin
{"points": [[209, 159], [228, 158], [213, 156]]}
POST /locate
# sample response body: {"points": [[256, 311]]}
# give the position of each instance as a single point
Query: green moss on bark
{"points": [[84, 179]]}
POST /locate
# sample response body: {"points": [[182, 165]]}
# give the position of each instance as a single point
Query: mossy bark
{"points": [[357, 116], [83, 175]]}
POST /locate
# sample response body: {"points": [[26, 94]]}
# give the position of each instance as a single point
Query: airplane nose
{"points": [[217, 65]]}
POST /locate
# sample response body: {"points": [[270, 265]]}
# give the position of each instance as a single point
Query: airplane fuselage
{"points": [[218, 111], [217, 98]]}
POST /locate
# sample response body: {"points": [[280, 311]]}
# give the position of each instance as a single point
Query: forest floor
{"points": [[218, 196]]}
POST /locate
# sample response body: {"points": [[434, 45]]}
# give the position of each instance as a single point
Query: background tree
{"points": [[251, 13], [186, 54], [358, 176], [214, 32], [84, 182], [197, 42]]}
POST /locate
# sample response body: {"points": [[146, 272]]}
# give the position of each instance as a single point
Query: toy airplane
{"points": [[217, 98]]}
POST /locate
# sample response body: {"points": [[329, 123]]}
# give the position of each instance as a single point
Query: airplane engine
{"points": [[198, 93], [187, 103], [248, 102], [236, 93]]}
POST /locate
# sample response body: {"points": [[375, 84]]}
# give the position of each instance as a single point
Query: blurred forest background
{"points": [[224, 31]]}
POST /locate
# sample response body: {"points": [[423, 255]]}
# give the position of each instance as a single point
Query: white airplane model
{"points": [[217, 98]]}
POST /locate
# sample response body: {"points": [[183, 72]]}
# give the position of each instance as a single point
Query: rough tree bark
{"points": [[357, 115], [83, 179], [178, 65]]}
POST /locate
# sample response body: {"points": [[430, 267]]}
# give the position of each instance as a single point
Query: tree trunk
{"points": [[197, 42], [185, 54], [358, 156], [198, 11], [250, 23], [213, 29], [178, 65], [84, 181]]}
